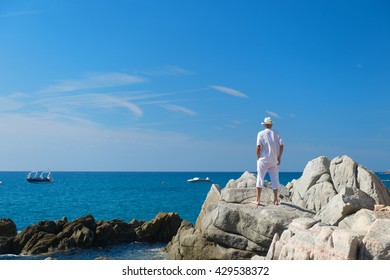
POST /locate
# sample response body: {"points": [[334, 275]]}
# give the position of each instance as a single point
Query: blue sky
{"points": [[183, 85]]}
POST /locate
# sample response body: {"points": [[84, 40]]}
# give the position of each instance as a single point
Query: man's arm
{"points": [[258, 151], [280, 154]]}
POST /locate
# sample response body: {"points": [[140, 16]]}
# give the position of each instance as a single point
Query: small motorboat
{"points": [[199, 180], [39, 177]]}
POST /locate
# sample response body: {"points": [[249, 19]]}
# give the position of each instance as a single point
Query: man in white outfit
{"points": [[269, 150]]}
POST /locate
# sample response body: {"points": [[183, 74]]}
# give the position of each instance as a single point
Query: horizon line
{"points": [[146, 171]]}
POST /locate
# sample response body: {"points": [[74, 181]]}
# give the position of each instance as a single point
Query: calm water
{"points": [[111, 195]]}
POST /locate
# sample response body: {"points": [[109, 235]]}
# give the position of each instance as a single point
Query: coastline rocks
{"points": [[247, 227], [310, 240], [161, 229], [37, 238], [347, 202], [114, 231], [7, 228], [85, 232], [327, 214], [7, 232], [322, 179], [360, 222], [337, 188], [346, 227], [230, 227], [376, 243], [189, 244]]}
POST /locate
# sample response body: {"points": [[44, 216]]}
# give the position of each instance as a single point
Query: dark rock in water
{"points": [[5, 245], [7, 228], [7, 233], [79, 233], [49, 236], [161, 229], [37, 238], [115, 231]]}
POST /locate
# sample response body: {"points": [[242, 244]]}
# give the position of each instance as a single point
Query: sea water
{"points": [[111, 195]]}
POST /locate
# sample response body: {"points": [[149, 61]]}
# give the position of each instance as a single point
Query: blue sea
{"points": [[107, 196]]}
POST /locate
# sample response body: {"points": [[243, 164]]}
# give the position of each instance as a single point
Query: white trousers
{"points": [[273, 171]]}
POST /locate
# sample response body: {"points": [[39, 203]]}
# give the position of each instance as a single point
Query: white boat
{"points": [[197, 179]]}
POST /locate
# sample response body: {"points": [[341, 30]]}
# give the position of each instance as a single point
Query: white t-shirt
{"points": [[269, 142]]}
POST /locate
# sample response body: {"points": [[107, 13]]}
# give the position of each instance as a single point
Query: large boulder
{"points": [[346, 172], [230, 227], [376, 243], [307, 239], [7, 228], [7, 232], [312, 174], [161, 229], [47, 236], [345, 227], [38, 238], [190, 244], [212, 199], [114, 231], [347, 202], [360, 222], [323, 179], [248, 227], [361, 237]]}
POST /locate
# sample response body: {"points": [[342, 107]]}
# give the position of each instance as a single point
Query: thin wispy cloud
{"points": [[9, 104], [94, 100], [169, 71], [59, 115], [181, 109], [69, 106], [234, 124], [106, 101], [18, 94], [18, 14], [273, 114], [95, 81], [87, 98], [229, 91]]}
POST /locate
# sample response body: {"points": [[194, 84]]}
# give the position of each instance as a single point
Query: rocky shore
{"points": [[50, 236], [337, 210], [327, 214]]}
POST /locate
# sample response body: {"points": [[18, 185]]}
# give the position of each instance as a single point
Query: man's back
{"points": [[269, 142]]}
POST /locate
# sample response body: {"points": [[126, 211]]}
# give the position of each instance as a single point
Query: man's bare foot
{"points": [[276, 202], [256, 202]]}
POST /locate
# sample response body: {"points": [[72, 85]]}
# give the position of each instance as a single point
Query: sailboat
{"points": [[39, 177]]}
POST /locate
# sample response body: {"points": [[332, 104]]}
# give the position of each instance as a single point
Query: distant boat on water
{"points": [[39, 177], [198, 180]]}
